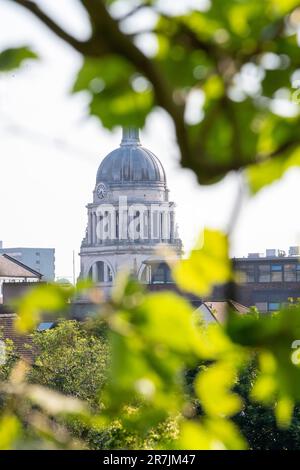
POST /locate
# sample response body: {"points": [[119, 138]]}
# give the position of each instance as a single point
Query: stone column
{"points": [[97, 220], [94, 228], [149, 224], [172, 225], [89, 227], [94, 273]]}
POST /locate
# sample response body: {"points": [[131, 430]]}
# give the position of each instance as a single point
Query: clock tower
{"points": [[130, 216]]}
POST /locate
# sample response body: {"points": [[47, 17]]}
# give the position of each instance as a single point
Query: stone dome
{"points": [[131, 164]]}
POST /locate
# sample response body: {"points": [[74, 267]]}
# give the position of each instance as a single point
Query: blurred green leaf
{"points": [[53, 402], [12, 58], [42, 298], [272, 338], [269, 171], [211, 434], [119, 96], [213, 390], [207, 265], [10, 431]]}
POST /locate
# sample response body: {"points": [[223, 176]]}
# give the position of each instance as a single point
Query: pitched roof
{"points": [[10, 267], [219, 309], [7, 331]]}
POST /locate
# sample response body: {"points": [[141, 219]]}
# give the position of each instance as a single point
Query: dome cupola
{"points": [[131, 164]]}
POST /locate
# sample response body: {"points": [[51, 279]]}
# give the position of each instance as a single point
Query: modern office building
{"points": [[41, 260], [266, 281]]}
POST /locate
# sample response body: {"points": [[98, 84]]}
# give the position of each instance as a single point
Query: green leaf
{"points": [[12, 58], [206, 266], [10, 430], [115, 97], [284, 412], [210, 434], [271, 170], [213, 390], [272, 337], [283, 6], [42, 298]]}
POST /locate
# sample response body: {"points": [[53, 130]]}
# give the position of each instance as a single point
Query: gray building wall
{"points": [[39, 259]]}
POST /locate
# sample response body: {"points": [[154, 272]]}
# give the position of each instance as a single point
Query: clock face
{"points": [[101, 191]]}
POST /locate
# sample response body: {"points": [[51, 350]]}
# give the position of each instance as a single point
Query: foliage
{"points": [[12, 58], [240, 58], [70, 361], [208, 264], [257, 422], [155, 338]]}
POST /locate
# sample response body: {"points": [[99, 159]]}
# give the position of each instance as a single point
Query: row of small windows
{"points": [[269, 273], [268, 306], [101, 272]]}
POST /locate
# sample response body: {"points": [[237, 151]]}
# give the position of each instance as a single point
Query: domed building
{"points": [[130, 217]]}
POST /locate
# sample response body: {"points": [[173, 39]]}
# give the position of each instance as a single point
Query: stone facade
{"points": [[130, 216]]}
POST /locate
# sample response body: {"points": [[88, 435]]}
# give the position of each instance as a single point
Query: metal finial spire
{"points": [[130, 136]]}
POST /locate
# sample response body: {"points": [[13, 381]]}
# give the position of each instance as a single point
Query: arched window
{"points": [[161, 274], [144, 275], [100, 272]]}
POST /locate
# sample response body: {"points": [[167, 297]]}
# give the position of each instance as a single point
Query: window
{"points": [[273, 306], [241, 276], [298, 272], [261, 306], [276, 273], [290, 273], [45, 326], [264, 273], [245, 273], [158, 276], [161, 274], [250, 273], [109, 274], [102, 272]]}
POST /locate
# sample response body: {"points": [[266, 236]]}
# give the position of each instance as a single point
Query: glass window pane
{"points": [[158, 275], [273, 306], [276, 267], [264, 273], [290, 272], [245, 273], [276, 273], [241, 276], [261, 306]]}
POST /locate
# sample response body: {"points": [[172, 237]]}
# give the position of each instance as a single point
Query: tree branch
{"points": [[32, 7], [135, 10], [107, 29], [108, 38]]}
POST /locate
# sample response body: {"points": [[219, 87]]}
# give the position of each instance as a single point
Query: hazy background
{"points": [[50, 152]]}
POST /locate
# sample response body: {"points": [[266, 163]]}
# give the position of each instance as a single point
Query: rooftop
{"points": [[12, 268]]}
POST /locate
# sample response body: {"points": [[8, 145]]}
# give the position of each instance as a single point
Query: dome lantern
{"points": [[130, 136]]}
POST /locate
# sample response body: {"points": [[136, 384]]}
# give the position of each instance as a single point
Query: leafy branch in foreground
{"points": [[154, 339], [228, 64]]}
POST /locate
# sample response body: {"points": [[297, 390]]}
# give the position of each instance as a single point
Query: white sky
{"points": [[50, 152]]}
